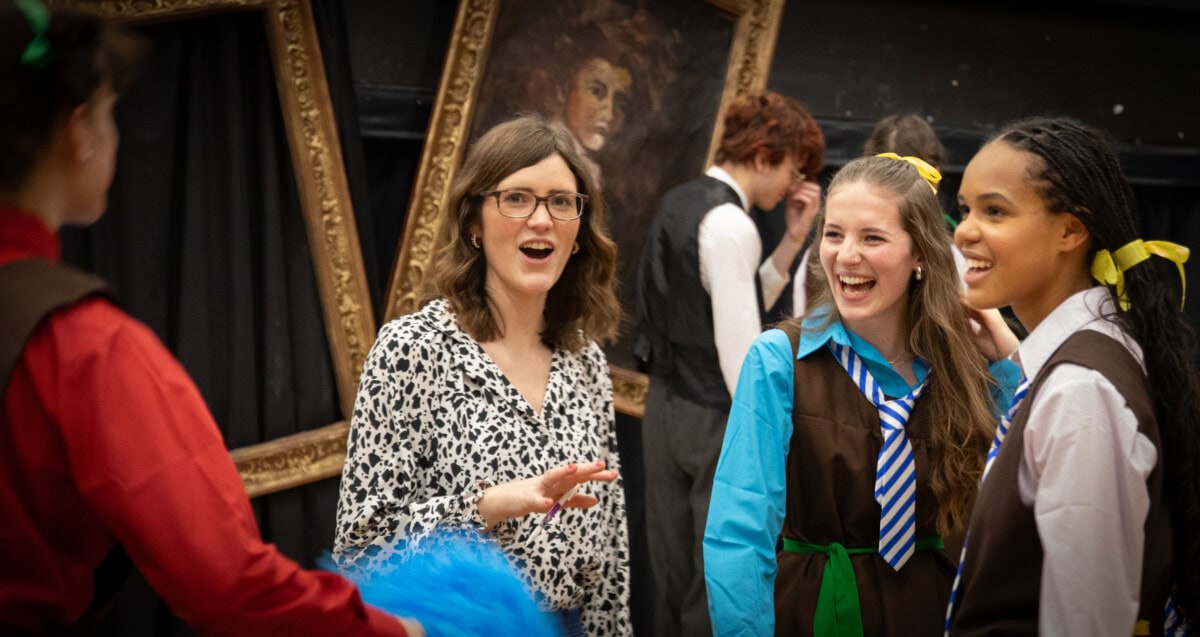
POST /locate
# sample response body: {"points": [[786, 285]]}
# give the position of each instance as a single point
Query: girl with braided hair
{"points": [[1085, 521]]}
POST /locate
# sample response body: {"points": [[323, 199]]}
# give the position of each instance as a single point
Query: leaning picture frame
{"points": [[642, 87], [324, 197]]}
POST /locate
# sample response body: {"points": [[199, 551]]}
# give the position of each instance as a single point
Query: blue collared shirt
{"points": [[749, 490]]}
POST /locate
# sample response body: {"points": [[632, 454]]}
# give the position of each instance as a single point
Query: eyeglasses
{"points": [[518, 204]]}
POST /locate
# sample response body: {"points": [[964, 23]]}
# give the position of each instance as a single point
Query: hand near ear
{"points": [[803, 202], [992, 335]]}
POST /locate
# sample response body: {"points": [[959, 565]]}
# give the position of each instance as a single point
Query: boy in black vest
{"points": [[702, 287]]}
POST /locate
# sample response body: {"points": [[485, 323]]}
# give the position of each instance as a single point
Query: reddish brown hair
{"points": [[779, 125]]}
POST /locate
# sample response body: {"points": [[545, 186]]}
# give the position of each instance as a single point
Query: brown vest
{"points": [[30, 291], [1002, 574], [831, 465]]}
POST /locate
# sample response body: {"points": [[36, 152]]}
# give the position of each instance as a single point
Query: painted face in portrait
{"points": [[595, 105], [526, 256], [867, 257]]}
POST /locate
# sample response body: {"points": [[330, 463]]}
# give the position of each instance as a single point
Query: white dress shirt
{"points": [[1083, 470], [730, 254]]}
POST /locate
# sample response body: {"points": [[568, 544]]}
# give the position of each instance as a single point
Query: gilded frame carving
{"points": [[329, 218], [755, 32]]}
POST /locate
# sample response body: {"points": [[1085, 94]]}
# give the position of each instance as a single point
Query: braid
{"points": [[1081, 175]]}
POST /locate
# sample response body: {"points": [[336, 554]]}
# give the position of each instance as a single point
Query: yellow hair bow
{"points": [[1109, 267], [928, 172]]}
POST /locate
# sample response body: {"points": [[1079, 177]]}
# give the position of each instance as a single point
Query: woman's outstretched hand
{"points": [[539, 493]]}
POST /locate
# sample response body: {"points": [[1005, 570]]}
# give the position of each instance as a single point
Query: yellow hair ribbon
{"points": [[928, 172], [1109, 267]]}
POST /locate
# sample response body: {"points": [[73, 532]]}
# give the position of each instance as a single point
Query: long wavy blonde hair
{"points": [[963, 414]]}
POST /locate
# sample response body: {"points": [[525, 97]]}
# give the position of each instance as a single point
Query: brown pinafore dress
{"points": [[831, 467]]}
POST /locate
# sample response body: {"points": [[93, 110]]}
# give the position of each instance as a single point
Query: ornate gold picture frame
{"points": [[329, 218], [459, 112]]}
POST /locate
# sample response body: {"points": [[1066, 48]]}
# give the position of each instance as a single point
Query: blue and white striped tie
{"points": [[1173, 624], [997, 440], [1005, 423], [895, 472]]}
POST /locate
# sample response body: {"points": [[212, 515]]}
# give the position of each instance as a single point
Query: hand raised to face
{"points": [[803, 202]]}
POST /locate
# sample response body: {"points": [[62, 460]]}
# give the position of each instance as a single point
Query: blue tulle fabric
{"points": [[457, 585]]}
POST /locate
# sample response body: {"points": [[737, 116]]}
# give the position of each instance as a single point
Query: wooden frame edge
{"points": [[324, 195], [445, 144], [324, 191], [293, 460]]}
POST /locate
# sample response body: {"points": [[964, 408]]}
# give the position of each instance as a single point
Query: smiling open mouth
{"points": [[537, 249], [856, 284], [978, 265]]}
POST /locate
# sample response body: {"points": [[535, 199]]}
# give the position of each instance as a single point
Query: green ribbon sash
{"points": [[838, 609]]}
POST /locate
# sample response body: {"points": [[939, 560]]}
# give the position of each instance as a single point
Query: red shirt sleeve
{"points": [[146, 454]]}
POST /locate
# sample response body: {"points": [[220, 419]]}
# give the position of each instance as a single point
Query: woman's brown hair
{"points": [[906, 135], [962, 411], [582, 304], [76, 54]]}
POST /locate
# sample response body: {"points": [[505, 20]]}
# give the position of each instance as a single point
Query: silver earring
{"points": [[920, 273], [475, 242], [575, 248]]}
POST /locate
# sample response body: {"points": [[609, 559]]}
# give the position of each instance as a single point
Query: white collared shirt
{"points": [[1083, 470], [730, 253]]}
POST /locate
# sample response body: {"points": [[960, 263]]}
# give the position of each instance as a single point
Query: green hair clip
{"points": [[39, 20]]}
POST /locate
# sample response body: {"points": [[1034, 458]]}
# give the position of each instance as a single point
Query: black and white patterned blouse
{"points": [[435, 421]]}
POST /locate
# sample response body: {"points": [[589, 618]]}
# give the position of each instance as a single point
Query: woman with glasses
{"points": [[491, 407]]}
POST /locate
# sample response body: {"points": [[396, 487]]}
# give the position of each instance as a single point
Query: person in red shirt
{"points": [[104, 439]]}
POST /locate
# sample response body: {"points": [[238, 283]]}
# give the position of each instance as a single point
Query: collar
{"points": [[468, 355], [1091, 309], [816, 334], [718, 173], [23, 235]]}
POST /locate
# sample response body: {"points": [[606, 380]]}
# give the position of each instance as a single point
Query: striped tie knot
{"points": [[895, 472]]}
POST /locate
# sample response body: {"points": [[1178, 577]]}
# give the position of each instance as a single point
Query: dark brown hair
{"points": [[83, 53], [582, 304], [905, 135], [962, 411], [780, 125]]}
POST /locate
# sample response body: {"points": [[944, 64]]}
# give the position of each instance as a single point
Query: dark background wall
{"points": [[1130, 67]]}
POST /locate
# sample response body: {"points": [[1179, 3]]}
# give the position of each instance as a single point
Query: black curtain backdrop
{"points": [[205, 242]]}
